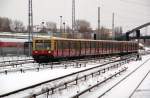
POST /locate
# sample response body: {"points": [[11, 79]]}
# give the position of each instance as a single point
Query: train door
{"points": [[82, 48], [92, 47], [100, 47], [65, 48], [104, 47], [123, 45], [87, 47], [72, 50], [85, 43], [78, 48], [55, 50], [56, 47], [59, 48], [108, 48], [128, 45], [117, 47], [96, 48], [69, 47], [125, 50], [112, 47]]}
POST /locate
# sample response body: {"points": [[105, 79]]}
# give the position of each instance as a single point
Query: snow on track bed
{"points": [[143, 91], [22, 65], [125, 88], [30, 81]]}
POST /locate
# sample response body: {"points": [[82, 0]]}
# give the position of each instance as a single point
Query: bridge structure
{"points": [[138, 33]]}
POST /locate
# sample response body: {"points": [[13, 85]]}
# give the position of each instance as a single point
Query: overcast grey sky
{"points": [[128, 13]]}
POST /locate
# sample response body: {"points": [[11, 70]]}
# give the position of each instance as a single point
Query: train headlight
{"points": [[49, 51]]}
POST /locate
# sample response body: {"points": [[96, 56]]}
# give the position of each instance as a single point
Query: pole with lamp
{"points": [[60, 24], [30, 25], [64, 24]]}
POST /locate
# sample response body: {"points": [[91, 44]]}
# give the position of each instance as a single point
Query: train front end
{"points": [[42, 50]]}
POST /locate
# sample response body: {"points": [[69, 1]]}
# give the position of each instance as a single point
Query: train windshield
{"points": [[42, 44]]}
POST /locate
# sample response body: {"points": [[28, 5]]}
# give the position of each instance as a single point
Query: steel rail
{"points": [[88, 89], [139, 84], [75, 80], [123, 78], [38, 84]]}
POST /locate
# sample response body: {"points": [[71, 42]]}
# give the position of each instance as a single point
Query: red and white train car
{"points": [[13, 46], [47, 49]]}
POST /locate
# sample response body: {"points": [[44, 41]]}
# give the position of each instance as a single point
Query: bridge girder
{"points": [[137, 29]]}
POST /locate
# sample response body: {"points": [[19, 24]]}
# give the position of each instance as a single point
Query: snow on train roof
{"points": [[59, 38], [12, 40]]}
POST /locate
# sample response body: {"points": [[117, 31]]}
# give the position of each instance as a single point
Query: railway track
{"points": [[139, 84], [14, 65], [119, 82], [99, 83], [21, 65], [72, 79]]}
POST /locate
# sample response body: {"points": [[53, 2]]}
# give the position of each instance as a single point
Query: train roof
{"points": [[59, 38], [12, 40]]}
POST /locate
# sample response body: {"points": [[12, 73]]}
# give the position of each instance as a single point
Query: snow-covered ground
{"points": [[16, 81], [143, 91], [10, 58], [126, 87]]}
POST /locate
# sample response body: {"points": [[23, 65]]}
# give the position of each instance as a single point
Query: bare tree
{"points": [[68, 29], [83, 26], [0, 24], [105, 33], [17, 26], [4, 24], [118, 31], [51, 26]]}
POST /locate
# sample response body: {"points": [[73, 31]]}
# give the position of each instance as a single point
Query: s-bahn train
{"points": [[13, 46], [46, 49]]}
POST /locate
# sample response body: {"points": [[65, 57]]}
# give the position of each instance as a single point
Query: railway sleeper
{"points": [[77, 80]]}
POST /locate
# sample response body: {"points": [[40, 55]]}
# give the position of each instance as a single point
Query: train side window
{"points": [[82, 45], [47, 44], [104, 45], [92, 44], [55, 45], [88, 44], [65, 44], [59, 44], [77, 45], [71, 45], [100, 44], [97, 44], [110, 44]]}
